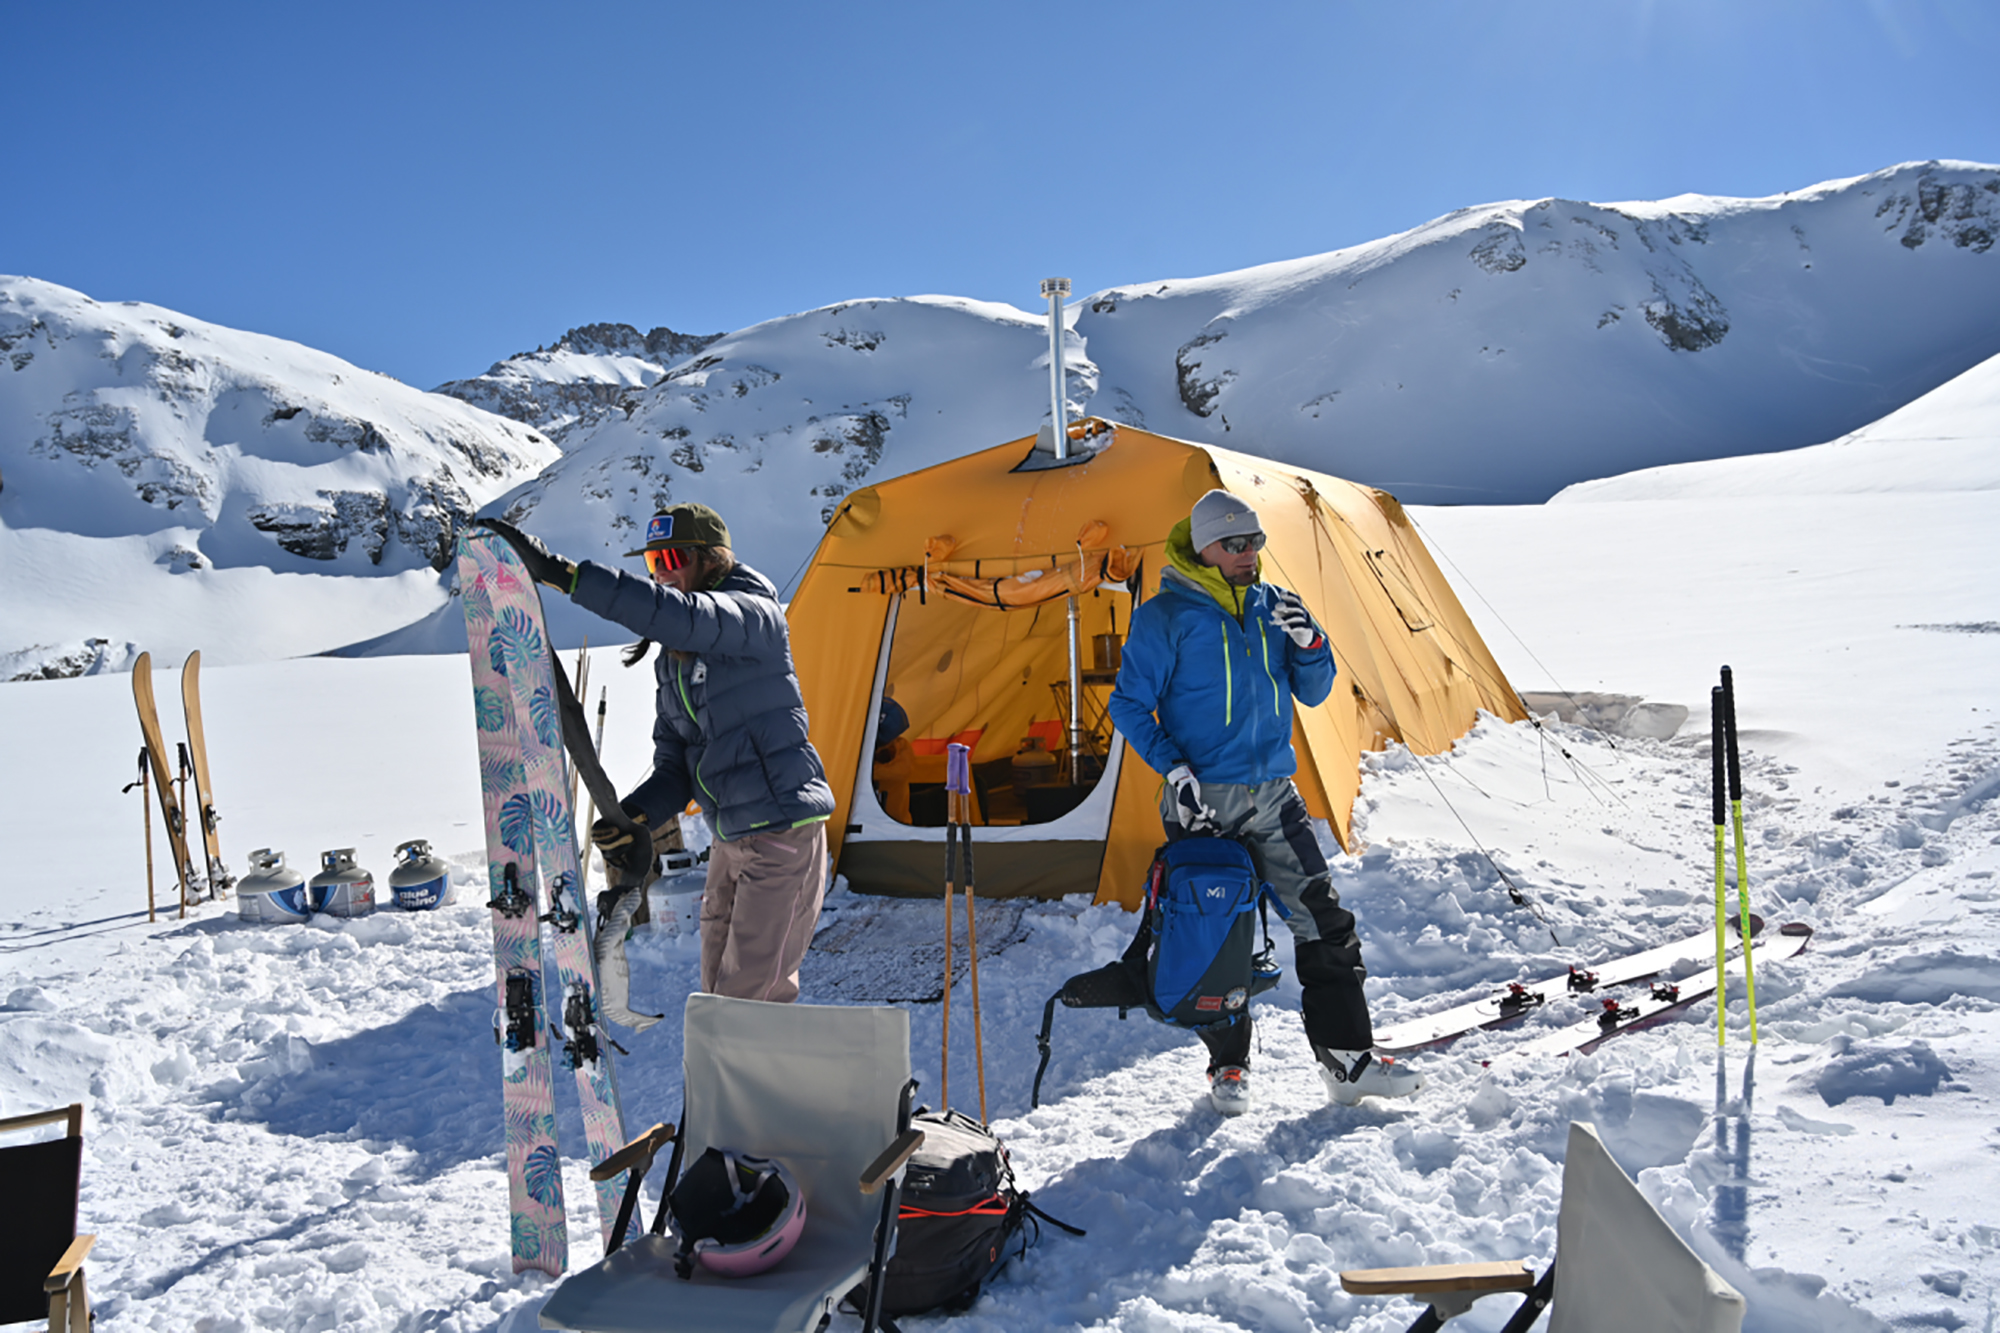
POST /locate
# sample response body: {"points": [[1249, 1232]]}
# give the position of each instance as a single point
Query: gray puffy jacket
{"points": [[730, 728]]}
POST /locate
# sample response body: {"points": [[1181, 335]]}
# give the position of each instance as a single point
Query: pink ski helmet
{"points": [[736, 1215]]}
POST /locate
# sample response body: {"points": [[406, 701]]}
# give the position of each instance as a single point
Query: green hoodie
{"points": [[1182, 555]]}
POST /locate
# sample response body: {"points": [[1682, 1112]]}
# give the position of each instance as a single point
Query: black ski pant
{"points": [[1326, 949]]}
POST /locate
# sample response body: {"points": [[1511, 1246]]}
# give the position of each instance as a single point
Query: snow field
{"points": [[297, 1127]]}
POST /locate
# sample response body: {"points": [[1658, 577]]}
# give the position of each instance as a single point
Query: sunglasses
{"points": [[1249, 541], [662, 563]]}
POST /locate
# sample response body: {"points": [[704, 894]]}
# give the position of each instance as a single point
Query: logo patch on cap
{"points": [[661, 529]]}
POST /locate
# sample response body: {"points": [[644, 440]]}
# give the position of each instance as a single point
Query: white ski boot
{"points": [[1229, 1090], [1352, 1075]]}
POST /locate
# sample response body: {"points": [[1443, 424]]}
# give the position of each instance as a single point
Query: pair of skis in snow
{"points": [[523, 707], [195, 883], [1614, 1014]]}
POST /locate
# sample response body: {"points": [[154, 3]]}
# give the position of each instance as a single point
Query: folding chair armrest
{"points": [[65, 1269], [891, 1160], [639, 1152], [1435, 1279], [71, 1114]]}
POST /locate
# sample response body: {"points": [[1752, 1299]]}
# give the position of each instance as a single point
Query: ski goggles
{"points": [[1249, 541], [665, 561]]}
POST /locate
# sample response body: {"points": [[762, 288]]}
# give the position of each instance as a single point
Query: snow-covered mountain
{"points": [[584, 376], [1495, 355], [140, 449], [1505, 351]]}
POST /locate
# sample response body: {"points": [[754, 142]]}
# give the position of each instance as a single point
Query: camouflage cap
{"points": [[684, 525]]}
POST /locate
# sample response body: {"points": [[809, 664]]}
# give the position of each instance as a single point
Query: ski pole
{"points": [[1718, 743], [180, 798], [958, 791], [950, 872], [144, 782], [1736, 818]]}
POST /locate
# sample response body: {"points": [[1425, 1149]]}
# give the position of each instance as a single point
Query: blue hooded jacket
{"points": [[1207, 679], [729, 727]]}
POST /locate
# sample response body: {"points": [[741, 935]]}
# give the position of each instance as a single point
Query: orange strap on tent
{"points": [[1094, 564]]}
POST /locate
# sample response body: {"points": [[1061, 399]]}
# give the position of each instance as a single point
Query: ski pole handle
{"points": [[1729, 731], [958, 769]]}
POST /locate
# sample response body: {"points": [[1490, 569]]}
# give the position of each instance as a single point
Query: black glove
{"points": [[543, 565], [608, 836]]}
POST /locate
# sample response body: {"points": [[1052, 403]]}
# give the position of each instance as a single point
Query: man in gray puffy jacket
{"points": [[729, 733]]}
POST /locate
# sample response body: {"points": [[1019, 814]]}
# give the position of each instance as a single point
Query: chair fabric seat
{"points": [[635, 1289], [38, 1222]]}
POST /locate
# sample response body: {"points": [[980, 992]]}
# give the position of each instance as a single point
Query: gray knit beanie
{"points": [[1217, 515]]}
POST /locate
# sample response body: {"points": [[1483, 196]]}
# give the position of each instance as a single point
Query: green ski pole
{"points": [[1718, 743], [1736, 818]]}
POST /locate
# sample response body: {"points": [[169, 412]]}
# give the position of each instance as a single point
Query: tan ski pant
{"points": [[758, 911]]}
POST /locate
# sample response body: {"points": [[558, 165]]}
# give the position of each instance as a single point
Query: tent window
{"points": [[1402, 590], [998, 681]]}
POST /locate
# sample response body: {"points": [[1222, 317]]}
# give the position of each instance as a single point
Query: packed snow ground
{"points": [[297, 1127]]}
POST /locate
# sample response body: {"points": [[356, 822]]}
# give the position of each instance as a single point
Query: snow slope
{"points": [[297, 1127], [167, 480]]}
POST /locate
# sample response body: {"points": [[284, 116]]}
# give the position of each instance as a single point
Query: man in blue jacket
{"points": [[1204, 693], [729, 733]]}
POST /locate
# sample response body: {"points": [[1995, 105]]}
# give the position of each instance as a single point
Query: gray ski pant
{"points": [[1326, 949], [759, 908]]}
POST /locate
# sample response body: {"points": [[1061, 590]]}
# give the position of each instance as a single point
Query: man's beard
{"points": [[1243, 580]]}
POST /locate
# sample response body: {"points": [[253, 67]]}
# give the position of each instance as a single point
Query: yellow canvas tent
{"points": [[946, 591]]}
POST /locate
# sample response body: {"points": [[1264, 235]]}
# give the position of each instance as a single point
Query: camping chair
{"points": [[824, 1089], [1622, 1265], [41, 1256]]}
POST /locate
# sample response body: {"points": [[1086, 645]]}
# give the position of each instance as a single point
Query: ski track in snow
{"points": [[297, 1127]]}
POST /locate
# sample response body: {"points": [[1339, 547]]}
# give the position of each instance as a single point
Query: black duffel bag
{"points": [[961, 1218]]}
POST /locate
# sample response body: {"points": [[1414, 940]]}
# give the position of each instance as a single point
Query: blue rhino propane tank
{"points": [[272, 891], [342, 888], [420, 882]]}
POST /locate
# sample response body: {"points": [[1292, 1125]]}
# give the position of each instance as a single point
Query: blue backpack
{"points": [[1194, 961]]}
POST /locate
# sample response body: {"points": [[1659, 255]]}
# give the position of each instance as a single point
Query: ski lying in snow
{"points": [[163, 780], [1518, 999], [1664, 1000], [219, 878], [531, 840]]}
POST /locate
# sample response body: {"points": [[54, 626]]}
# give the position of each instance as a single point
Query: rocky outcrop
{"points": [[585, 376]]}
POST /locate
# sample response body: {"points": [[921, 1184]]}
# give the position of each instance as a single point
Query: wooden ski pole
{"points": [[1718, 743], [950, 872], [958, 790], [144, 782], [1742, 872]]}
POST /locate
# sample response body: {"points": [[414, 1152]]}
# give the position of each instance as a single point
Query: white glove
{"points": [[1289, 614], [1194, 816]]}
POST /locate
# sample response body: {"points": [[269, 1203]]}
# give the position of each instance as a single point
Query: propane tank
{"points": [[420, 882], [272, 892], [342, 888]]}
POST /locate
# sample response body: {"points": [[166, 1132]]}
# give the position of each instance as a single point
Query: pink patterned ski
{"points": [[545, 821], [538, 1231]]}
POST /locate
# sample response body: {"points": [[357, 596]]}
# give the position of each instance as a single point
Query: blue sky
{"points": [[425, 188]]}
